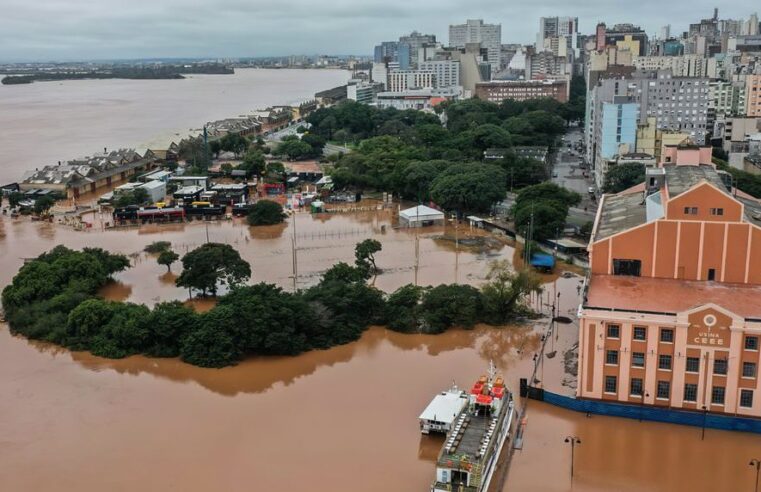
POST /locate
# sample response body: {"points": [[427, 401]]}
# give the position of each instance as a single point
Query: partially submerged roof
{"points": [[670, 296], [421, 212]]}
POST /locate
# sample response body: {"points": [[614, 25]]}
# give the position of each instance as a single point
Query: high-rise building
{"points": [[558, 27], [393, 52], [447, 72], [615, 133], [386, 51], [403, 80], [475, 31], [414, 41], [678, 104], [522, 90], [726, 98], [547, 65], [623, 35], [753, 96], [751, 26]]}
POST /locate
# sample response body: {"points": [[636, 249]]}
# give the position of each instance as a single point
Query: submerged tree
{"points": [[265, 212], [504, 293], [364, 253], [211, 264], [166, 258]]}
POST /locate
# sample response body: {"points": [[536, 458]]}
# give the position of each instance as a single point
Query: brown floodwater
{"points": [[75, 118], [332, 420]]}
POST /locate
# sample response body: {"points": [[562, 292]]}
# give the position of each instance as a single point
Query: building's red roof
{"points": [[671, 295]]}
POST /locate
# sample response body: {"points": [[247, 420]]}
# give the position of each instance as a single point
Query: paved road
{"points": [[569, 174], [331, 149]]}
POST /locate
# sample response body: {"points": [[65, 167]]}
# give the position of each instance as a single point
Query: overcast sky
{"points": [[100, 29]]}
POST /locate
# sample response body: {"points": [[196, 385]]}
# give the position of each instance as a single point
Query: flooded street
{"points": [[332, 420]]}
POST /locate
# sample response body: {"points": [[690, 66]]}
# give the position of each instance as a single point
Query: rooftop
{"points": [[682, 178], [629, 208], [303, 167], [445, 407], [421, 211], [620, 213], [670, 296]]}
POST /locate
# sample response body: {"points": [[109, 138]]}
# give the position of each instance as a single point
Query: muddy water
{"points": [[321, 241], [342, 419], [334, 420], [78, 117]]}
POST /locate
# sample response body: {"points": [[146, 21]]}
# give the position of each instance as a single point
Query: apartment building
{"points": [[680, 66], [521, 90], [671, 315], [475, 31], [726, 98], [446, 72], [753, 96], [403, 80], [615, 133]]}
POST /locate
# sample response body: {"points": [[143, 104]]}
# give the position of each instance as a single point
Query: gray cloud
{"points": [[80, 29]]}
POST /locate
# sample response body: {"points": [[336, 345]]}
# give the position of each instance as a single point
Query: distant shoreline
{"points": [[171, 72]]}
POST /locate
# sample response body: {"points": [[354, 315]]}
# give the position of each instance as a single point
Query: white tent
{"points": [[420, 216]]}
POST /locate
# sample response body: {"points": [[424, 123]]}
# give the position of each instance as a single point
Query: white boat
{"points": [[468, 459]]}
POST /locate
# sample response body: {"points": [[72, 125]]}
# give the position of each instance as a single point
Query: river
{"points": [[46, 122], [332, 420]]}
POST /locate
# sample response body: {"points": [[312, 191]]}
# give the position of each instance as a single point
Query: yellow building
{"points": [[646, 137], [651, 140], [753, 95], [628, 43]]}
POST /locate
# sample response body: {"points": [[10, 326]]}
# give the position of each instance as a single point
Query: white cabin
{"points": [[443, 410]]}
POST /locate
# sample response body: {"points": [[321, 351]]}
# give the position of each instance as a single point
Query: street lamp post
{"points": [[573, 441], [644, 395], [757, 464], [703, 433]]}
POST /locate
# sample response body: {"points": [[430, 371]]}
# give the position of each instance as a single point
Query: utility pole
{"points": [[456, 250], [294, 254]]}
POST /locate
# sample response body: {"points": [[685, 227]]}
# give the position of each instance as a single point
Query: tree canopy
{"points": [[265, 212], [469, 187], [624, 176], [548, 203], [293, 148], [54, 298], [403, 152], [43, 204], [166, 258], [210, 265]]}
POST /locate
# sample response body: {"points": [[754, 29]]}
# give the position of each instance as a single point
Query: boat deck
{"points": [[470, 438]]}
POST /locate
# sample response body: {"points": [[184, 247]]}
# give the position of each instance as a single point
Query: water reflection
{"points": [[429, 448], [116, 291], [259, 374]]}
